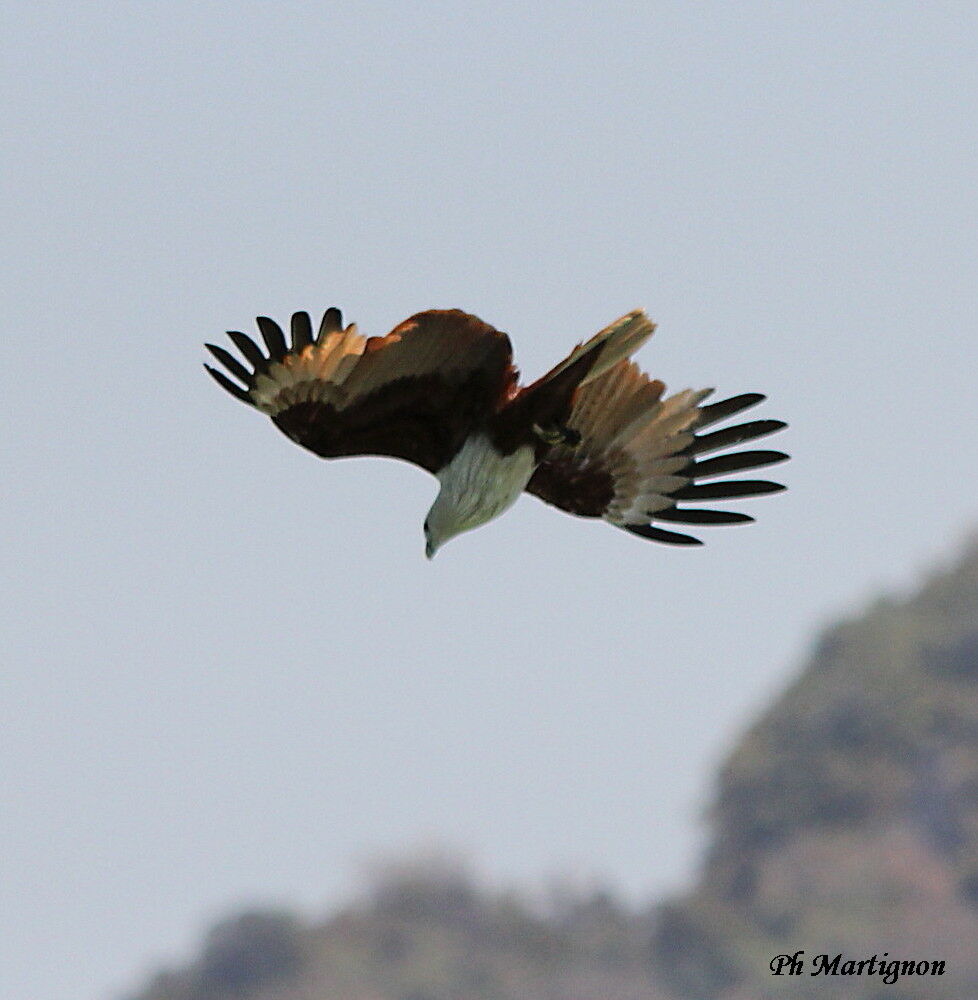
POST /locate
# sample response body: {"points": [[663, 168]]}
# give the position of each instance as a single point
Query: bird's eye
{"points": [[426, 527]]}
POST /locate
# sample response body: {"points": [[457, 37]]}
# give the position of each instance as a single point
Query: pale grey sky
{"points": [[230, 673]]}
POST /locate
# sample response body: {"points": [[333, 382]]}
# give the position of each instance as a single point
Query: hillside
{"points": [[424, 933], [845, 821]]}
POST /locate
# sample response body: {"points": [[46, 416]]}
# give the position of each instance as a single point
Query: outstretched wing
{"points": [[639, 456], [415, 394]]}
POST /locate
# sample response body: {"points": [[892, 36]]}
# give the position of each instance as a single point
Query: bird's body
{"points": [[593, 436], [478, 484]]}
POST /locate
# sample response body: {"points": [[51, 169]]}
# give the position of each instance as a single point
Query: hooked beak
{"points": [[429, 550]]}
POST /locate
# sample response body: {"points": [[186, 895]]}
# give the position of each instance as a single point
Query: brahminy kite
{"points": [[594, 436]]}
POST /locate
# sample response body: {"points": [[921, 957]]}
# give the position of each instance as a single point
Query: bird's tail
{"points": [[617, 341], [545, 401]]}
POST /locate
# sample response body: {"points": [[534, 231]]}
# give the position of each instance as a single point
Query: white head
{"points": [[444, 521], [451, 514], [476, 486]]}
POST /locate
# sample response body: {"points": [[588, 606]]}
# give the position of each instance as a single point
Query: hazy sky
{"points": [[230, 673]]}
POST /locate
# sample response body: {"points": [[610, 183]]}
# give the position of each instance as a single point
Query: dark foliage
{"points": [[846, 820]]}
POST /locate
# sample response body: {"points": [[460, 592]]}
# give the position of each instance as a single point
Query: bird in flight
{"points": [[594, 436]]}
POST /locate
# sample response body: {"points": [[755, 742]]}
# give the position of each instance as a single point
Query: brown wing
{"points": [[415, 394], [638, 456]]}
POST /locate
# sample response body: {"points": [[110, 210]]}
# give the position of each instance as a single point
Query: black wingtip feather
{"points": [[225, 383], [738, 434], [332, 322], [301, 330], [694, 515], [736, 461], [230, 362], [728, 407], [273, 336], [697, 470], [249, 349], [727, 491], [659, 535]]}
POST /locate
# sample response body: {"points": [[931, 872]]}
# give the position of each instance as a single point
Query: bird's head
{"points": [[477, 485], [449, 516]]}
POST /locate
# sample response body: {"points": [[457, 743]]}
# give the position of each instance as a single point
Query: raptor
{"points": [[594, 436]]}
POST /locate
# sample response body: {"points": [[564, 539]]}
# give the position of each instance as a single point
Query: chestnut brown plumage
{"points": [[594, 436]]}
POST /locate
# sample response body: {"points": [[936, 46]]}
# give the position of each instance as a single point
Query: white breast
{"points": [[479, 483]]}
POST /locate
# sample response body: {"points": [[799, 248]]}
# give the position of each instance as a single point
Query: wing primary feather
{"points": [[249, 349], [225, 383], [729, 490], [693, 515], [728, 407], [734, 462], [703, 443], [659, 535], [332, 322], [230, 362], [301, 330], [274, 338]]}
